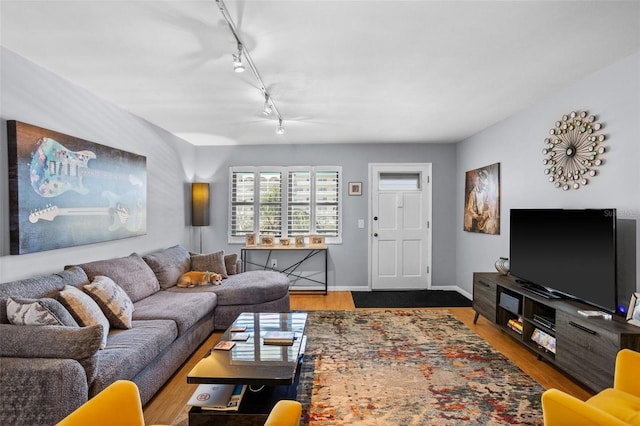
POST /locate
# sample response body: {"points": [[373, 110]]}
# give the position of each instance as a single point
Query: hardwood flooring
{"points": [[172, 398]]}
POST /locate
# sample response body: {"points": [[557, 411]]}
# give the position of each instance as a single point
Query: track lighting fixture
{"points": [[238, 66]]}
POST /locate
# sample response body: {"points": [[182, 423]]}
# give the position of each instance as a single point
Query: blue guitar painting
{"points": [[56, 170]]}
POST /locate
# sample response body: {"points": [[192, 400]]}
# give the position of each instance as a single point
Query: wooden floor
{"points": [[172, 398]]}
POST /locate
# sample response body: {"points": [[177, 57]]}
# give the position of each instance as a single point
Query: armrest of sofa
{"points": [[40, 391], [562, 409], [627, 375], [52, 341]]}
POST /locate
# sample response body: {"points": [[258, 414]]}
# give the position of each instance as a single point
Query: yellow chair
{"points": [[285, 413], [119, 405], [619, 405]]}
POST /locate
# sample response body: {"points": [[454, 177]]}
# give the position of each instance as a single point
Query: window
{"points": [[285, 201]]}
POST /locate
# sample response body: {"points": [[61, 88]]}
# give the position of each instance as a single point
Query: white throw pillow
{"points": [[84, 310], [113, 300], [21, 311]]}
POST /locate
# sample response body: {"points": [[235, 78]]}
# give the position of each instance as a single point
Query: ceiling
{"points": [[350, 71]]}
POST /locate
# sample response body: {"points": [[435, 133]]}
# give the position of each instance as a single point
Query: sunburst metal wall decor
{"points": [[574, 150]]}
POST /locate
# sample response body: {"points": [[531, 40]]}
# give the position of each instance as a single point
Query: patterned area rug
{"points": [[409, 367]]}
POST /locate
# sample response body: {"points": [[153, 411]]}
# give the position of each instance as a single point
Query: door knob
{"points": [[375, 235], [375, 218]]}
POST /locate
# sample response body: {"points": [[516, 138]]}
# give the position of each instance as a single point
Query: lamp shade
{"points": [[199, 204]]}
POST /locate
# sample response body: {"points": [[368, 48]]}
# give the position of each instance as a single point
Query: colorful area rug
{"points": [[409, 367]]}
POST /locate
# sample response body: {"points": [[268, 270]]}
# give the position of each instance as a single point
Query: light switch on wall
{"points": [[361, 223]]}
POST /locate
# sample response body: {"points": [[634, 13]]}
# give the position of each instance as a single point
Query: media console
{"points": [[583, 347]]}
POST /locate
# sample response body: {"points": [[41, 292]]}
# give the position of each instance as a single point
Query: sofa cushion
{"points": [[45, 311], [247, 288], [84, 309], [113, 301], [212, 262], [78, 343], [129, 351], [131, 273], [184, 308], [169, 264]]}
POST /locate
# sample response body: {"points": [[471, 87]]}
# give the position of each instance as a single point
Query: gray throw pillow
{"points": [[169, 265], [230, 262], [212, 262], [45, 311], [131, 273]]}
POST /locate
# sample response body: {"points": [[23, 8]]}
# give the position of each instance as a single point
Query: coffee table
{"points": [[271, 371]]}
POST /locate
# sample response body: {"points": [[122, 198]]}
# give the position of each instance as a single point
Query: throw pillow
{"points": [[113, 301], [230, 261], [212, 262], [45, 311], [84, 310], [131, 273], [169, 265]]}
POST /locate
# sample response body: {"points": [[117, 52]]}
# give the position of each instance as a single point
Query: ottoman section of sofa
{"points": [[185, 309], [246, 288]]}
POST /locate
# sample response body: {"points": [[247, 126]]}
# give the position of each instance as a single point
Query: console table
{"points": [[293, 269], [583, 347]]}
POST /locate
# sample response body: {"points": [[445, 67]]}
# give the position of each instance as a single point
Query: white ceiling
{"points": [[338, 71]]}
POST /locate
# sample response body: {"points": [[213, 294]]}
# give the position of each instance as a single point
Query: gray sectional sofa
{"points": [[47, 371]]}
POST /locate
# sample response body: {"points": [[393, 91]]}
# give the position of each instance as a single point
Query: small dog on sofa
{"points": [[198, 278]]}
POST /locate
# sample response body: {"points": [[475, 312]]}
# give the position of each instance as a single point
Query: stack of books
{"points": [[515, 325], [218, 397], [280, 338]]}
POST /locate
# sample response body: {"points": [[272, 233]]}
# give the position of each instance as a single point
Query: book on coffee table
{"points": [[218, 397], [280, 338]]}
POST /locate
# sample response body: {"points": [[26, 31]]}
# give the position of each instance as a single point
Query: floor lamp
{"points": [[200, 206]]}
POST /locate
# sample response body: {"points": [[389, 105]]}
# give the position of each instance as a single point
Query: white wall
{"points": [[33, 95], [613, 95]]}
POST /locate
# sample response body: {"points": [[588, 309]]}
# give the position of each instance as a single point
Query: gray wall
{"points": [[613, 94], [347, 261], [33, 95]]}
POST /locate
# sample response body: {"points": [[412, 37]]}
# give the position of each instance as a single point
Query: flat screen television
{"points": [[570, 253]]}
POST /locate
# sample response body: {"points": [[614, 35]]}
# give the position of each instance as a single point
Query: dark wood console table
{"points": [[585, 347]]}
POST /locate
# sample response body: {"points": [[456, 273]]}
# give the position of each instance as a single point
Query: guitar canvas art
{"points": [[65, 191]]}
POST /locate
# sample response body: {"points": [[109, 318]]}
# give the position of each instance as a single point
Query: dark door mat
{"points": [[409, 299]]}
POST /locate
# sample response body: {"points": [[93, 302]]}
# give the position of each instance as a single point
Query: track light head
{"points": [[237, 60], [280, 128], [267, 106]]}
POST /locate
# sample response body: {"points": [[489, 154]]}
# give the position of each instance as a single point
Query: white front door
{"points": [[399, 223]]}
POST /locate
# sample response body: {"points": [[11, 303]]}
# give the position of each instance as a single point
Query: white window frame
{"points": [[284, 170]]}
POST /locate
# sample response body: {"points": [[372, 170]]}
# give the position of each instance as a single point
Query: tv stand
{"points": [[539, 291], [582, 347]]}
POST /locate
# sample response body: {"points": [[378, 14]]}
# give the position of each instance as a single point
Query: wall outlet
{"points": [[274, 263]]}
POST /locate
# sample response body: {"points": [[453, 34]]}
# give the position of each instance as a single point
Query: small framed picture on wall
{"points": [[355, 188]]}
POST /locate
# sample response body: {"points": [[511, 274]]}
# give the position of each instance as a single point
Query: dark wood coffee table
{"points": [[272, 372]]}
